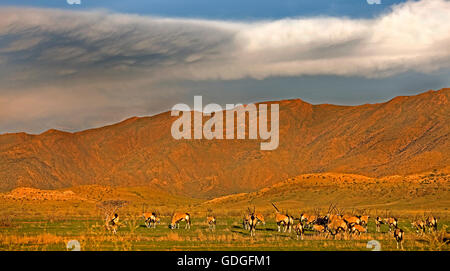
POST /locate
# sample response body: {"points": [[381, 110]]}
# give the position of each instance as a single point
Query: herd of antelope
{"points": [[334, 222]]}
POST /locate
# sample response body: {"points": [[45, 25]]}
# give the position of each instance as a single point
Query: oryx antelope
{"points": [[282, 220], [177, 218], [378, 222], [398, 236], [419, 225], [308, 218], [320, 229], [260, 218], [431, 223], [358, 229], [337, 225], [114, 223], [364, 220], [151, 219], [392, 222], [252, 222], [299, 230], [246, 220], [211, 221], [352, 220]]}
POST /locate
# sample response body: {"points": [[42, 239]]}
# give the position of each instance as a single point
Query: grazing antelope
{"points": [[392, 222], [281, 220], [178, 217], [260, 218], [431, 223], [299, 230], [337, 225], [398, 236], [358, 229], [352, 220], [211, 221], [364, 220], [419, 225], [150, 218], [378, 222], [319, 229]]}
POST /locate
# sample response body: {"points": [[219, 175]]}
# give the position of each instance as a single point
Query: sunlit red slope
{"points": [[403, 136]]}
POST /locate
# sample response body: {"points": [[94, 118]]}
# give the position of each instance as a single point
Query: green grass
{"points": [[229, 235]]}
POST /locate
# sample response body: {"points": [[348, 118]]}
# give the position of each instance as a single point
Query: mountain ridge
{"points": [[405, 135]]}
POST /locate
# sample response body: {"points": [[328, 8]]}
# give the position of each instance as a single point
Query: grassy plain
{"points": [[47, 220]]}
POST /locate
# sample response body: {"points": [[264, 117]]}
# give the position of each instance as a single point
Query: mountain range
{"points": [[406, 135]]}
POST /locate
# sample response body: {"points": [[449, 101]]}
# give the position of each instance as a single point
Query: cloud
{"points": [[106, 56], [412, 36]]}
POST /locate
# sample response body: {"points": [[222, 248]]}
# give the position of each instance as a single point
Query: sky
{"points": [[80, 66]]}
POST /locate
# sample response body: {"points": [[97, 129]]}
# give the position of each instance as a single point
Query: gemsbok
{"points": [[352, 221], [246, 220], [392, 222], [364, 220], [398, 236], [179, 217], [378, 222], [358, 229], [337, 225], [114, 223], [299, 230], [432, 223], [419, 225], [211, 221], [281, 219], [260, 218], [252, 222], [308, 218], [320, 229], [151, 219]]}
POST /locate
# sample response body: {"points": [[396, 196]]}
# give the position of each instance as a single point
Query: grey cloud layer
{"points": [[413, 36], [58, 65]]}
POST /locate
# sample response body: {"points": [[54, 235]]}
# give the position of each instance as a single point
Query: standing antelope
{"points": [[299, 230], [337, 225], [392, 222], [177, 218], [378, 222], [352, 221], [252, 222], [281, 220], [419, 225], [211, 221], [150, 218], [358, 229], [364, 220], [114, 223], [431, 223], [398, 236], [308, 219], [246, 222], [259, 219]]}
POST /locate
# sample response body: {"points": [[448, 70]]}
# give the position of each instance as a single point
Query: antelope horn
{"points": [[275, 207]]}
